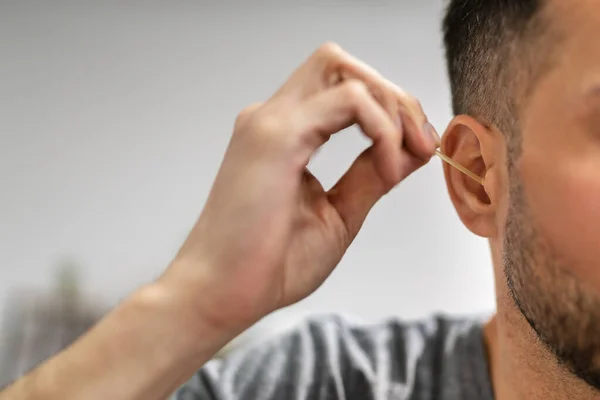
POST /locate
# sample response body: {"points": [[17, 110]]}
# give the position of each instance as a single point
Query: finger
{"points": [[342, 106], [420, 137], [330, 65], [355, 194], [316, 74]]}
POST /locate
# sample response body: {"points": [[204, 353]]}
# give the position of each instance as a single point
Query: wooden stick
{"points": [[459, 167]]}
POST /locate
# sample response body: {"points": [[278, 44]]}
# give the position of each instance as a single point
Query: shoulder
{"points": [[336, 356]]}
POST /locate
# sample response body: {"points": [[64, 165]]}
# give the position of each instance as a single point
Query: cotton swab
{"points": [[459, 167]]}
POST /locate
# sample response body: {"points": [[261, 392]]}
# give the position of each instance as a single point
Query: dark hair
{"points": [[491, 61]]}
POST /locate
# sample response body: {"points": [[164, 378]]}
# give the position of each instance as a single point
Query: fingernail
{"points": [[432, 134]]}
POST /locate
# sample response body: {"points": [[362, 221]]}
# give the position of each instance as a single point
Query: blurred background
{"points": [[114, 117]]}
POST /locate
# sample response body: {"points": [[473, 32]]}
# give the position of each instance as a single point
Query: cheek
{"points": [[564, 200]]}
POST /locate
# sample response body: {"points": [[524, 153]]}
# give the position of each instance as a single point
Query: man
{"points": [[526, 87]]}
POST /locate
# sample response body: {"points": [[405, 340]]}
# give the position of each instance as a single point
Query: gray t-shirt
{"points": [[330, 358]]}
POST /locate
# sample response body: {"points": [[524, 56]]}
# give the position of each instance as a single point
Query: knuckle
{"points": [[330, 50], [267, 127], [269, 130], [246, 114], [355, 90]]}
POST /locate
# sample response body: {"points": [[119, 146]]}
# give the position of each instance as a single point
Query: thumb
{"points": [[361, 187]]}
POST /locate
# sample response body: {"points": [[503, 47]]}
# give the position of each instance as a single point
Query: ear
{"points": [[465, 141]]}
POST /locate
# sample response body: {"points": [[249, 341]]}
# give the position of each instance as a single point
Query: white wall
{"points": [[113, 120]]}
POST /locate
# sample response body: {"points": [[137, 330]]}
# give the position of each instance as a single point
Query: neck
{"points": [[521, 367]]}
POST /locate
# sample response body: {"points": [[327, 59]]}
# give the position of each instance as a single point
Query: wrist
{"points": [[212, 297], [194, 336]]}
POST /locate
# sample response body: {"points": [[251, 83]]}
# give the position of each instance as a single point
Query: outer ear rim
{"points": [[465, 140]]}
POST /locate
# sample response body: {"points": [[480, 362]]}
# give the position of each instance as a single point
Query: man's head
{"points": [[525, 78]]}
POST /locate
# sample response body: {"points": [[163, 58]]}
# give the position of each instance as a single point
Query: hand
{"points": [[269, 234]]}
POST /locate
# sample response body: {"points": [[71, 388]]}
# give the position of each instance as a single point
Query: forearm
{"points": [[147, 347]]}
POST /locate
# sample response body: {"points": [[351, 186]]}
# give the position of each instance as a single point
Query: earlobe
{"points": [[464, 141]]}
